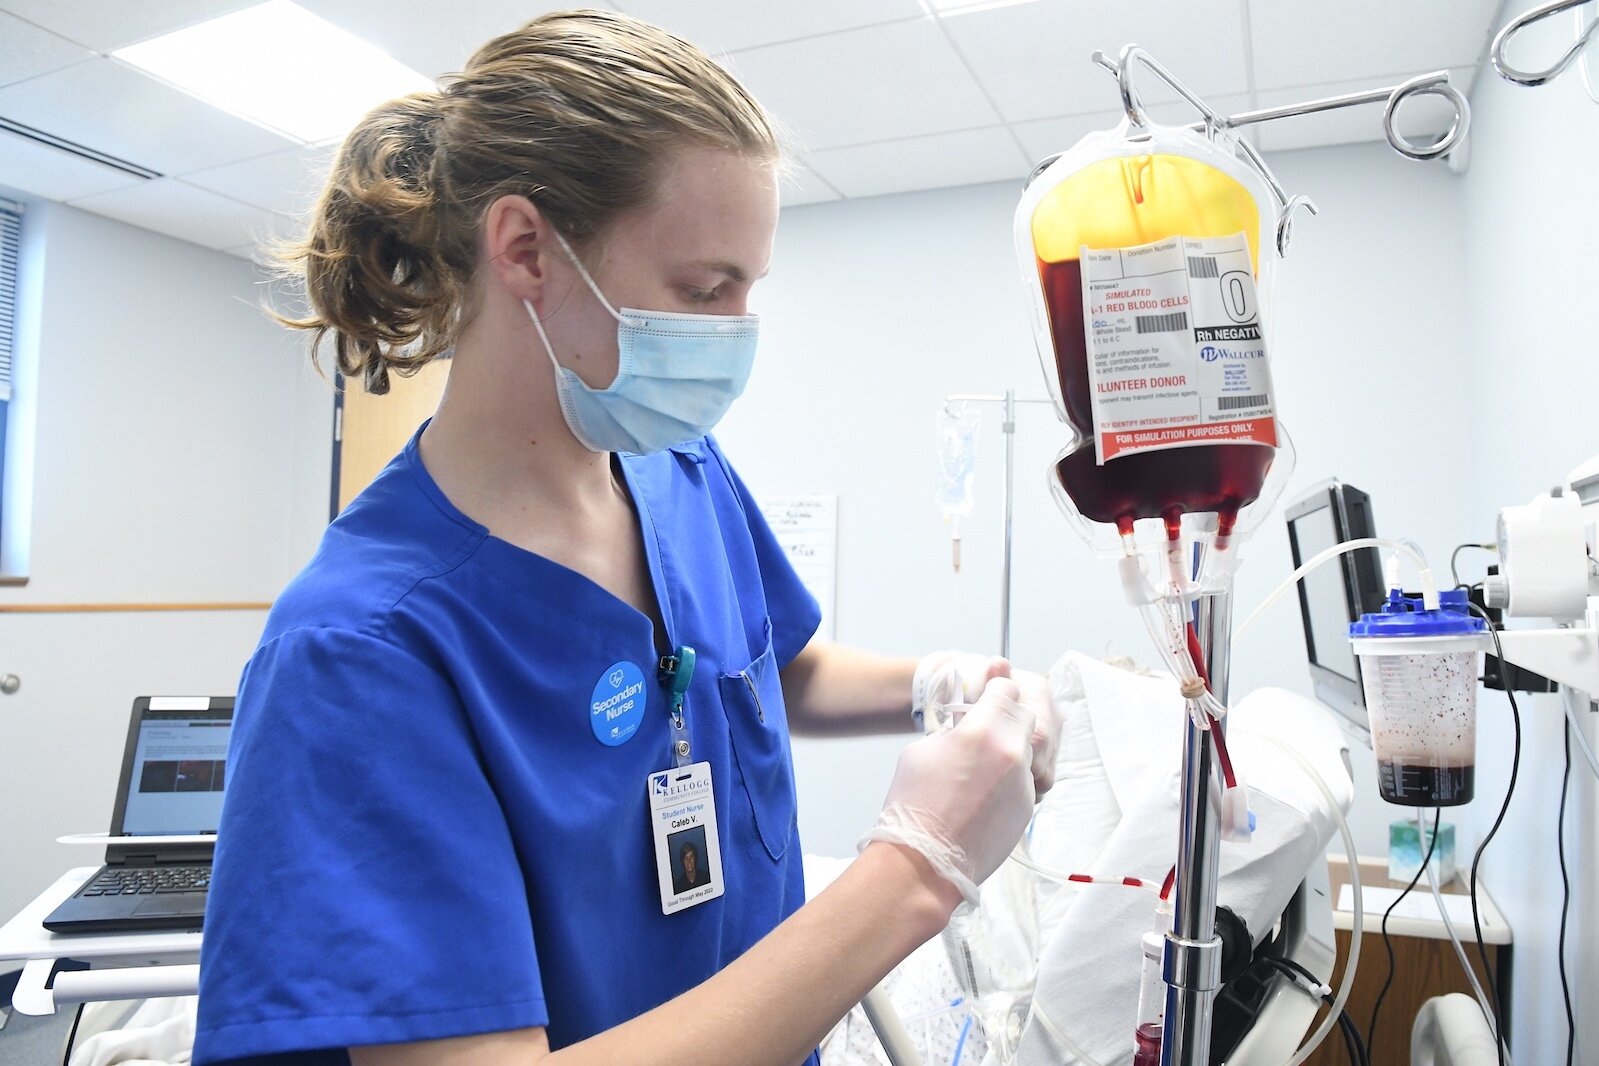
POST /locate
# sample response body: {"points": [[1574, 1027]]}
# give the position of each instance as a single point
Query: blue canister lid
{"points": [[1403, 616]]}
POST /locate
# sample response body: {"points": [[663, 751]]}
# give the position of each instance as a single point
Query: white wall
{"points": [[180, 454], [1531, 225]]}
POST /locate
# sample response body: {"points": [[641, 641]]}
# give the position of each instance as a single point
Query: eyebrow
{"points": [[732, 270]]}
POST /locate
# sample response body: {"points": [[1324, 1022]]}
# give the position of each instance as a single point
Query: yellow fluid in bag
{"points": [[1125, 202]]}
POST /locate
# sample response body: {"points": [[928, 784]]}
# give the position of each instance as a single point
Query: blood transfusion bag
{"points": [[1141, 252]]}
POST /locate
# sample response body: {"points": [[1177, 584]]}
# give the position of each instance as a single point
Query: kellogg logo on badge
{"points": [[616, 706], [658, 782]]}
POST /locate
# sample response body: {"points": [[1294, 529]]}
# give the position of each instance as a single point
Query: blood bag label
{"points": [[1175, 355]]}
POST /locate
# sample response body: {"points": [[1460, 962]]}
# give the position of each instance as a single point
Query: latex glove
{"points": [[1047, 722], [946, 679], [963, 796]]}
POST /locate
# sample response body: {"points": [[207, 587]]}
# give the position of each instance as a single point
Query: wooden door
{"points": [[368, 430]]}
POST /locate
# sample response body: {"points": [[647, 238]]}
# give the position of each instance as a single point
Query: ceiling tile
{"points": [[720, 26], [169, 206], [26, 50], [1312, 42], [1034, 58], [1047, 136], [800, 186], [1423, 115], [106, 24], [285, 182], [874, 84], [52, 173], [114, 109], [427, 36], [937, 161]]}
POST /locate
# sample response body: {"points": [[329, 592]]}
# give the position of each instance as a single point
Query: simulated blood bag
{"points": [[1141, 252]]}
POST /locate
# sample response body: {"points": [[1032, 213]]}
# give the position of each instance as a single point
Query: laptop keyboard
{"points": [[148, 880]]}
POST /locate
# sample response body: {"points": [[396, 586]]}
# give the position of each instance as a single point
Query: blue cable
{"points": [[960, 1043]]}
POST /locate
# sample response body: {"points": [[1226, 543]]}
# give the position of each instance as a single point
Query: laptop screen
{"points": [[178, 772]]}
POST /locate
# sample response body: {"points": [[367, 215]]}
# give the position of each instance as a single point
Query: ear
{"points": [[518, 244]]}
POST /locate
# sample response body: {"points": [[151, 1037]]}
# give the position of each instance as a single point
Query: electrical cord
{"points": [[72, 1036], [1454, 575], [1476, 860], [1565, 902], [1352, 1041], [1376, 1009]]}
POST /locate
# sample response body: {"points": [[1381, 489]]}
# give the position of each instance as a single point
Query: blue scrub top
{"points": [[425, 837]]}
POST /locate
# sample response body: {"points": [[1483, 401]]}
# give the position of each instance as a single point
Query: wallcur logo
{"points": [[1210, 353], [617, 677]]}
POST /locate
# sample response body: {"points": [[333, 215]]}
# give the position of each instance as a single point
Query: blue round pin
{"points": [[617, 706]]}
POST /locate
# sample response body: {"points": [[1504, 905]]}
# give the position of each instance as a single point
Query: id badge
{"points": [[688, 856]]}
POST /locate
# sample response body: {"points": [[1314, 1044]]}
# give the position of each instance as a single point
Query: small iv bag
{"points": [[1141, 252], [957, 462]]}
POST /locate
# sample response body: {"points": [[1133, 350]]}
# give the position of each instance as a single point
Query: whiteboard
{"points": [[807, 528]]}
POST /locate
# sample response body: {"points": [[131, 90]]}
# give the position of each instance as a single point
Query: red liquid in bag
{"points": [[1224, 478]]}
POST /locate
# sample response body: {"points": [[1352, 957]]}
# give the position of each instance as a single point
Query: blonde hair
{"points": [[578, 110]]}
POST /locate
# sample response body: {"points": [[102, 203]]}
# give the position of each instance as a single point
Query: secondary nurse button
{"points": [[617, 706]]}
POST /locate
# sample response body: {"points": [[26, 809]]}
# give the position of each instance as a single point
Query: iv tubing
{"points": [[1429, 589], [1019, 856], [1568, 700], [1357, 920], [1460, 950]]}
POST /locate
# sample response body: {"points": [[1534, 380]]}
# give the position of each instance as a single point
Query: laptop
{"points": [[174, 767]]}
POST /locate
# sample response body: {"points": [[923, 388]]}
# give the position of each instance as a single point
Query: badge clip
{"points": [[675, 672]]}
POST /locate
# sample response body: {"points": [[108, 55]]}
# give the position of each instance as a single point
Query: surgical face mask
{"points": [[676, 376]]}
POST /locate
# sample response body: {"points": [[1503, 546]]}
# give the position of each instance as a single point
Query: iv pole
{"points": [[1008, 427], [1192, 962]]}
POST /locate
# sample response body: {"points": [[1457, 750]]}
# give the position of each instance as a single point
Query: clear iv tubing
{"points": [[1429, 589], [1357, 920], [1460, 950]]}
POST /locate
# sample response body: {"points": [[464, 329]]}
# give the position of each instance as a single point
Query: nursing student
{"points": [[555, 640]]}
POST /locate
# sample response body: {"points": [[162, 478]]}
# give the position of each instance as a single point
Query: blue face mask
{"points": [[676, 376]]}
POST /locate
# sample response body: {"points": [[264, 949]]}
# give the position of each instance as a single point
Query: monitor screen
{"points": [[179, 770], [1336, 592], [1325, 600]]}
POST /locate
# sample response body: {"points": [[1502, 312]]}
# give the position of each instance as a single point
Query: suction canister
{"points": [[1419, 671]]}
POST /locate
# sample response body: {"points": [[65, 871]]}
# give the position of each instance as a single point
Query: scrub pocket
{"points": [[753, 700]]}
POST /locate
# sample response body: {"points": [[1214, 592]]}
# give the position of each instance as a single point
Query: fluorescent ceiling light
{"points": [[280, 66], [962, 7]]}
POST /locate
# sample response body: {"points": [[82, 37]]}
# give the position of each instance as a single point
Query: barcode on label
{"points": [[1233, 403], [1172, 323], [1202, 266]]}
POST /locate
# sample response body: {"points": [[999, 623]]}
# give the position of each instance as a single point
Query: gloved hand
{"points": [[962, 797], [946, 679], [1047, 722]]}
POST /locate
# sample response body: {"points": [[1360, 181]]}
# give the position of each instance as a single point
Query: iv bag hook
{"points": [[1214, 125], [1516, 25], [1433, 84]]}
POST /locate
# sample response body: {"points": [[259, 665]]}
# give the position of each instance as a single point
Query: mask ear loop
{"points": [[589, 280], [543, 337]]}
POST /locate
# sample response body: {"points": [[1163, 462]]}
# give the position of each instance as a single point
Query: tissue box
{"points": [[1406, 846]]}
